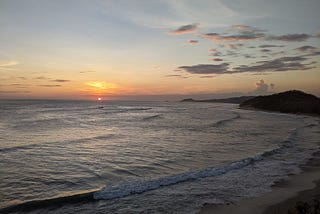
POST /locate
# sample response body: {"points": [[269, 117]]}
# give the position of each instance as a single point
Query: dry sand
{"points": [[286, 197]]}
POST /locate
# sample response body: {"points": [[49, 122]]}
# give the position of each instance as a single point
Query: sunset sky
{"points": [[165, 49]]}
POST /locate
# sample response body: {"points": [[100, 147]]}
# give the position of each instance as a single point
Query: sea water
{"points": [[143, 157]]}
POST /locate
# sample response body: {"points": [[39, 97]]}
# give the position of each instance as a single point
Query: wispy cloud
{"points": [[279, 64], [215, 37], [8, 63], [216, 53], [50, 86], [42, 78], [14, 92], [185, 29], [89, 71], [313, 53], [207, 76], [60, 80], [274, 65], [248, 33], [306, 48], [206, 68], [233, 46], [290, 37], [192, 42], [212, 50], [271, 46], [19, 85], [216, 59], [270, 62], [173, 75], [242, 28], [177, 76], [265, 50]]}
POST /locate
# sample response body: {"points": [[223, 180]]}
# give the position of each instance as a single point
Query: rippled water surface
{"points": [[150, 157]]}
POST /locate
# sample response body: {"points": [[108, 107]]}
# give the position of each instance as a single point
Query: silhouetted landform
{"points": [[188, 100], [234, 100], [293, 101]]}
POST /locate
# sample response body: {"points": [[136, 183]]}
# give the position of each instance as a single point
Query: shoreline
{"points": [[270, 111], [287, 195]]}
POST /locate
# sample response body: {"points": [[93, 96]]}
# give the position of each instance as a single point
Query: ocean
{"points": [[143, 157]]}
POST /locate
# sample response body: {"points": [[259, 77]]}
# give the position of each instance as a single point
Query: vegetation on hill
{"points": [[287, 102]]}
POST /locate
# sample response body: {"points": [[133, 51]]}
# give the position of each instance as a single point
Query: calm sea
{"points": [[143, 157]]}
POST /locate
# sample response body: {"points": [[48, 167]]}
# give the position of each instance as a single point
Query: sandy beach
{"points": [[294, 195]]}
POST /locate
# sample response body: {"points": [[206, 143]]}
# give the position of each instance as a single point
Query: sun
{"points": [[99, 99]]}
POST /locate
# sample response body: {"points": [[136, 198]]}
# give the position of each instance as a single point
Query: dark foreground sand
{"points": [[299, 194]]}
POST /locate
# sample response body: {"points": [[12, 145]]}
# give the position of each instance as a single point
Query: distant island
{"points": [[293, 101], [234, 100]]}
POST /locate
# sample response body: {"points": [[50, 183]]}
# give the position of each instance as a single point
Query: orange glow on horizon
{"points": [[98, 89]]}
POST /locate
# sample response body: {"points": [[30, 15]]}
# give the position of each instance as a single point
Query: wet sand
{"points": [[286, 196]]}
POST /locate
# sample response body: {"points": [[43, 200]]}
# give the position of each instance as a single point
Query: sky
{"points": [[157, 49]]}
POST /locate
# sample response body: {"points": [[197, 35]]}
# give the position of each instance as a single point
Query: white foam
{"points": [[129, 188]]}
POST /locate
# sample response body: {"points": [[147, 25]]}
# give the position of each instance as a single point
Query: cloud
{"points": [[185, 29], [243, 28], [206, 68], [248, 33], [262, 87], [265, 50], [233, 46], [8, 63], [314, 53], [216, 59], [248, 56], [252, 36], [83, 72], [306, 48], [50, 86], [271, 46], [279, 64], [216, 53], [277, 53], [177, 76], [275, 65], [19, 85], [207, 76], [231, 42], [231, 53], [192, 42], [14, 92], [173, 75], [290, 37], [42, 78], [60, 80], [212, 50], [249, 36]]}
